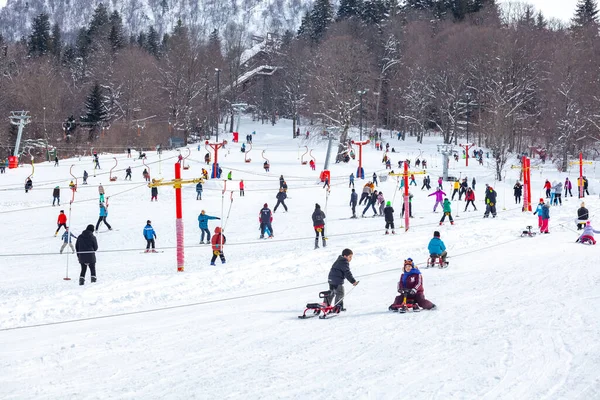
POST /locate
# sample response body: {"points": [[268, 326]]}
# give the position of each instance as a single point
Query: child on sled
{"points": [[410, 287]]}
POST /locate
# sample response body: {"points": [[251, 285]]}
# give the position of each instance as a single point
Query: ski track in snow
{"points": [[516, 318]]}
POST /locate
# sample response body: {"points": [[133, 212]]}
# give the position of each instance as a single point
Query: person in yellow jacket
{"points": [[456, 186]]}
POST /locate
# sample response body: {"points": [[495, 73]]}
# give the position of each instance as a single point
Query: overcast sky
{"points": [[561, 9]]}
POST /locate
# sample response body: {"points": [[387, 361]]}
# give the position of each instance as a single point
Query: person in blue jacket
{"points": [[149, 235], [199, 191], [437, 248], [203, 222], [102, 217]]}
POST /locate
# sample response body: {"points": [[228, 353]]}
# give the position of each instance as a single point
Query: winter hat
{"points": [[317, 205], [218, 229], [265, 205], [588, 223], [389, 203], [409, 262], [541, 200], [90, 228], [148, 222], [436, 234]]}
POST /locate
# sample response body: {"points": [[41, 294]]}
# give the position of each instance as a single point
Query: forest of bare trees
{"points": [[510, 77]]}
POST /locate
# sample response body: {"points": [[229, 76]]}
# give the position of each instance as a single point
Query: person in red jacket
{"points": [[217, 241], [547, 186], [62, 221], [241, 188], [470, 198], [412, 280]]}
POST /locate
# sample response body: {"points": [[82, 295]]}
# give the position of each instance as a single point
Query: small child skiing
{"points": [[66, 237], [438, 197], [588, 234], [388, 212], [61, 221], [149, 235], [102, 217], [241, 188], [217, 241], [545, 218], [538, 211], [318, 219], [447, 212]]}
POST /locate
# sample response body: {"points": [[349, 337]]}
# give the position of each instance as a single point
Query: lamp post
{"points": [[361, 93], [218, 101]]}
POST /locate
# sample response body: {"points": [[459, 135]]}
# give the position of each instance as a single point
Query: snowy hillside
{"points": [[516, 317], [259, 16]]}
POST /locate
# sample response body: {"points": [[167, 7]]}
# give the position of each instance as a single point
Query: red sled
{"points": [[407, 303], [322, 310]]}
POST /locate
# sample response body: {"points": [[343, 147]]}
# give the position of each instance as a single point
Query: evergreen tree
{"points": [[305, 29], [116, 37], [374, 12], [540, 21], [141, 40], [56, 40], [100, 24], [349, 9], [152, 42], [164, 5], [286, 39], [39, 42], [586, 13], [321, 17], [95, 110], [82, 43], [214, 44]]}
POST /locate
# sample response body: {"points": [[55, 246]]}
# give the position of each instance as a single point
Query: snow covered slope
{"points": [[516, 318]]}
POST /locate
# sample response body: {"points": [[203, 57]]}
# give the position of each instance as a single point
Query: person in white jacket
{"points": [[588, 234]]}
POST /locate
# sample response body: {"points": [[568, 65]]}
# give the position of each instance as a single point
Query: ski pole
{"points": [[346, 295], [228, 212]]}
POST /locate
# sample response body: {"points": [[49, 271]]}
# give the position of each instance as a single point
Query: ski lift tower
{"points": [[238, 109], [19, 118], [445, 150]]}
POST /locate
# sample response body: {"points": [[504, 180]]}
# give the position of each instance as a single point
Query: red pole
{"points": [[179, 220], [527, 176], [406, 204], [581, 175], [467, 149], [525, 184]]}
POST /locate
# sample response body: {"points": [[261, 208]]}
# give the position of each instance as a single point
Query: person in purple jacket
{"points": [[439, 196], [568, 187]]}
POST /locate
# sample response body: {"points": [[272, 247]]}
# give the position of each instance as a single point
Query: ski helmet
{"points": [[389, 204]]}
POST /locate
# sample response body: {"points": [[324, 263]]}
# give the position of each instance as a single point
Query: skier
{"points": [[146, 175], [412, 180], [85, 176], [353, 200], [149, 235], [265, 217], [86, 246], [128, 173], [241, 188], [28, 185], [351, 183], [375, 179], [318, 219], [538, 211], [558, 193], [456, 186], [56, 161], [101, 192], [439, 194], [437, 248], [66, 237], [61, 221], [588, 234], [371, 203], [340, 270], [447, 212], [217, 241], [56, 195], [424, 182], [582, 216], [517, 191], [388, 212], [490, 202], [281, 180], [199, 191], [102, 217], [411, 279], [281, 196], [473, 182], [545, 218], [203, 224], [366, 193], [470, 198], [547, 186], [381, 202], [463, 188], [410, 197], [568, 187]]}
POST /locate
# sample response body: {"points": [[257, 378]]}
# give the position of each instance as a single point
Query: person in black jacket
{"points": [[340, 270], [86, 247], [353, 200], [582, 216], [371, 203], [388, 212], [281, 196], [518, 191], [318, 218], [265, 218], [490, 202]]}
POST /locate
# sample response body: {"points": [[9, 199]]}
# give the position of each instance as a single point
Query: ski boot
{"points": [[81, 280], [386, 232], [154, 251], [451, 222], [393, 232], [212, 263], [93, 279], [416, 307], [147, 251], [223, 262]]}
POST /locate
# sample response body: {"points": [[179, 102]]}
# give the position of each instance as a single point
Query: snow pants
{"points": [[490, 209], [389, 224], [263, 226], [418, 298], [60, 226], [444, 217], [540, 221], [338, 292], [436, 204], [372, 205], [282, 202], [517, 199], [205, 230], [56, 198], [216, 254], [353, 205], [65, 245], [544, 228], [149, 242], [455, 192], [83, 271], [583, 238], [102, 219], [364, 196], [472, 203]]}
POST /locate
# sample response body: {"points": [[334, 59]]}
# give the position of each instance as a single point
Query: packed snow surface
{"points": [[516, 318]]}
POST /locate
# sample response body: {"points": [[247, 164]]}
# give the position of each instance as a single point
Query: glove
{"points": [[218, 218], [413, 291]]}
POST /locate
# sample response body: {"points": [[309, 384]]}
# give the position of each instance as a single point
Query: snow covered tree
{"points": [[56, 42], [305, 29], [586, 14], [39, 43], [374, 12], [116, 36], [152, 44], [349, 9], [95, 111], [321, 17]]}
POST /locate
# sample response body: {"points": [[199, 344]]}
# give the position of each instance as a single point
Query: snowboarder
{"points": [[490, 202], [439, 194], [149, 235], [538, 211], [203, 224], [318, 219], [128, 173], [56, 195], [61, 221], [102, 217], [412, 280], [517, 191], [353, 200], [588, 234], [86, 246], [340, 270], [388, 212], [470, 198], [199, 191], [217, 241], [241, 188], [265, 217], [66, 237], [582, 216], [437, 248], [281, 196], [447, 212]]}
